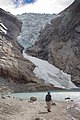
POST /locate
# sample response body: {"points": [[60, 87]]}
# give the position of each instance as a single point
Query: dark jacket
{"points": [[48, 98]]}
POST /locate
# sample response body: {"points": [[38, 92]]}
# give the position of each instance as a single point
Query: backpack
{"points": [[48, 98]]}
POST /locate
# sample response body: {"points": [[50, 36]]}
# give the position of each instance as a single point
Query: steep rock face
{"points": [[59, 42], [12, 64], [15, 72]]}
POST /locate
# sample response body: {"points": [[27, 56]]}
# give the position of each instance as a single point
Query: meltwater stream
{"points": [[56, 95]]}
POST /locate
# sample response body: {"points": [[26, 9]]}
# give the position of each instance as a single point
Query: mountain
{"points": [[32, 24], [11, 60], [16, 72], [59, 42]]}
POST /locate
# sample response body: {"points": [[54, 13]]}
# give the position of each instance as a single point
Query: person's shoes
{"points": [[48, 110]]}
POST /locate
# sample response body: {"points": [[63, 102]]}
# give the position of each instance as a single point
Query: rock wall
{"points": [[59, 42], [16, 73], [12, 64]]}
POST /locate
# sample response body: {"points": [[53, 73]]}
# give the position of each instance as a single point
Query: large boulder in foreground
{"points": [[59, 42]]}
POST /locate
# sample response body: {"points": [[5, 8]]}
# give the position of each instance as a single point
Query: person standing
{"points": [[48, 100]]}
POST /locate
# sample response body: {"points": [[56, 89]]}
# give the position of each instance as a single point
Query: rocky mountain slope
{"points": [[59, 42], [11, 60], [32, 24], [17, 71]]}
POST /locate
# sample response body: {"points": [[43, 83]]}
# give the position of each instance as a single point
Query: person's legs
{"points": [[48, 106]]}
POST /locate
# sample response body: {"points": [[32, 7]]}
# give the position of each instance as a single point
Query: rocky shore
{"points": [[18, 109], [74, 111]]}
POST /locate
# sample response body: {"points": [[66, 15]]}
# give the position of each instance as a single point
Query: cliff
{"points": [[59, 42], [12, 64], [15, 72]]}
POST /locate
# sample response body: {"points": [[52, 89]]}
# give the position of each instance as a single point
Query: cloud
{"points": [[6, 5], [35, 6], [64, 2]]}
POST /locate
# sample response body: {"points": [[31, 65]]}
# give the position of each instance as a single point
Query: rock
{"points": [[12, 64], [3, 97], [54, 104], [67, 98], [77, 29], [20, 99], [59, 42], [41, 118], [13, 67], [33, 98], [16, 71], [37, 119], [9, 96]]}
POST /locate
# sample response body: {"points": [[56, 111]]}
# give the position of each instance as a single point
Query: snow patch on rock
{"points": [[3, 29]]}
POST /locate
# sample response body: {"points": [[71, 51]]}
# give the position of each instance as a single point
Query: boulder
{"points": [[33, 98], [54, 104], [41, 118], [67, 98]]}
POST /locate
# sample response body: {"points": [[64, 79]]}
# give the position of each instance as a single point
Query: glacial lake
{"points": [[41, 95]]}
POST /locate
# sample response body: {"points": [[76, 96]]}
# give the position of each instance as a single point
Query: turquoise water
{"points": [[41, 95]]}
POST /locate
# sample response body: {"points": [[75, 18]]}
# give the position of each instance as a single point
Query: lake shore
{"points": [[22, 109]]}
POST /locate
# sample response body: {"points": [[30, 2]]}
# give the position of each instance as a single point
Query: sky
{"points": [[34, 6]]}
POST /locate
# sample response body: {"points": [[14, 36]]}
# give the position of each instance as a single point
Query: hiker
{"points": [[48, 100]]}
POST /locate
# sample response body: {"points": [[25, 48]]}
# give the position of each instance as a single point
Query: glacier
{"points": [[49, 73]]}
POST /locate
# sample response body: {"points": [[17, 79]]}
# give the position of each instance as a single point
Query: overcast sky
{"points": [[34, 6]]}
